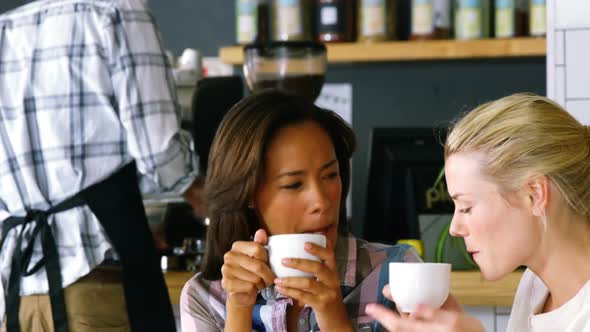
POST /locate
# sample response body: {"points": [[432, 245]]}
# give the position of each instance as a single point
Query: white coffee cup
{"points": [[419, 283], [291, 246]]}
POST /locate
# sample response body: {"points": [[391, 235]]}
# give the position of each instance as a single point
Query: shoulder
{"points": [[371, 256], [196, 288], [202, 300], [199, 291], [380, 252], [372, 273]]}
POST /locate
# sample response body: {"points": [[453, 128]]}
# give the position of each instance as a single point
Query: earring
{"points": [[544, 221]]}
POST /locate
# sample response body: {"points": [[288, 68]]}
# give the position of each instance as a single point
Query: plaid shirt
{"points": [[363, 271], [84, 90]]}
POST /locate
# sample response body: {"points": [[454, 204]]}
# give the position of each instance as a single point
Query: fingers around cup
{"points": [[387, 292]]}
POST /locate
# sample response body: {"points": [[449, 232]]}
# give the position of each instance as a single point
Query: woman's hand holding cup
{"points": [[245, 271], [321, 291], [443, 314]]}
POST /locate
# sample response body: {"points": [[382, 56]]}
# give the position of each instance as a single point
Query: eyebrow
{"points": [[456, 196], [295, 173]]}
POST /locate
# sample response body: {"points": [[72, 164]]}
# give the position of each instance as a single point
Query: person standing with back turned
{"points": [[88, 120]]}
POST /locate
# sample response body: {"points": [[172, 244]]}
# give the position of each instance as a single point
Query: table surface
{"points": [[467, 286]]}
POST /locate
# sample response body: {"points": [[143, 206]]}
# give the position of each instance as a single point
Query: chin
{"points": [[494, 274], [488, 276], [332, 235]]}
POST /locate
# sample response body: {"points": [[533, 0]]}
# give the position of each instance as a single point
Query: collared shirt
{"points": [[363, 271], [85, 88]]}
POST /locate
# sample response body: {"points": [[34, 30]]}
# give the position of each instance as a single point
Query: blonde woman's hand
{"points": [[321, 293], [425, 319], [245, 271]]}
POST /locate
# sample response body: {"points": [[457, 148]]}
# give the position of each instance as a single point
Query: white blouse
{"points": [[573, 316]]}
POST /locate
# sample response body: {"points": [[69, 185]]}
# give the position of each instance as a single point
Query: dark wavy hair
{"points": [[236, 165]]}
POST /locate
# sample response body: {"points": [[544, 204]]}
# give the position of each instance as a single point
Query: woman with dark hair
{"points": [[280, 165]]}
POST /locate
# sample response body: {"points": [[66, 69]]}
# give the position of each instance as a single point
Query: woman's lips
{"points": [[323, 230]]}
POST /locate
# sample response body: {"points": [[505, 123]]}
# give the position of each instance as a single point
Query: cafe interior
{"points": [[398, 71]]}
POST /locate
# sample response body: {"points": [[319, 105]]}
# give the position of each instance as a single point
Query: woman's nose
{"points": [[320, 199], [457, 227]]}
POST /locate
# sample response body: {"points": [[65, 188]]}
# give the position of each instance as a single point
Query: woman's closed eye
{"points": [[292, 186], [332, 175], [465, 210]]}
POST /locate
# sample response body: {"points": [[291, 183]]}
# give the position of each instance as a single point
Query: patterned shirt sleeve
{"points": [[145, 98], [411, 255], [194, 308]]}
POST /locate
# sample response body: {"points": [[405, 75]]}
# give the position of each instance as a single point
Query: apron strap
{"points": [[50, 260], [117, 204]]}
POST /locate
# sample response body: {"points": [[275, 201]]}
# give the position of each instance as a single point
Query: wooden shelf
{"points": [[467, 286], [418, 50]]}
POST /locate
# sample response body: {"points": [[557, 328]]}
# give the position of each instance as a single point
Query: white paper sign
{"points": [[337, 98]]}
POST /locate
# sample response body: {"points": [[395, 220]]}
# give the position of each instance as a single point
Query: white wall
{"points": [[568, 52]]}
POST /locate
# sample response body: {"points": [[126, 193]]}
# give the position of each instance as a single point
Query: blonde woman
{"points": [[518, 170]]}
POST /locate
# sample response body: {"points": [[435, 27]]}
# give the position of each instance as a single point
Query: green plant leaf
{"points": [[440, 244], [439, 177], [454, 242]]}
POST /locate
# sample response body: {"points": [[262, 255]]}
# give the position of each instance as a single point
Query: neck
{"points": [[564, 251]]}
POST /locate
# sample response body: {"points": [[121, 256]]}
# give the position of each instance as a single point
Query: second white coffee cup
{"points": [[291, 246], [419, 283]]}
